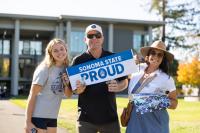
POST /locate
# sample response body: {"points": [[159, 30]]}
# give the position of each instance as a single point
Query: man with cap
{"points": [[158, 60], [97, 110]]}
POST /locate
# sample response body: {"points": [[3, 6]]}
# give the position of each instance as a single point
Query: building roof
{"points": [[83, 18], [22, 16], [113, 20]]}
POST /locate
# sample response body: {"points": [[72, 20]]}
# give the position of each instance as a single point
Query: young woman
{"points": [[48, 86], [158, 60]]}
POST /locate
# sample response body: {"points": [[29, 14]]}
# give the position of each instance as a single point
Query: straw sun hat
{"points": [[160, 46]]}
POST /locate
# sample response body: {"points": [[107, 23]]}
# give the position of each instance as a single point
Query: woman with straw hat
{"points": [[154, 79]]}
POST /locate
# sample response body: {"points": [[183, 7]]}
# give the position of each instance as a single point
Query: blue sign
{"points": [[103, 69]]}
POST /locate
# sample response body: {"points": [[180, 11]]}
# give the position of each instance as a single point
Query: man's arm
{"points": [[117, 86]]}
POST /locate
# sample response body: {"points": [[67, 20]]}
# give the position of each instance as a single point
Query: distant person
{"points": [[97, 110], [157, 68], [48, 86]]}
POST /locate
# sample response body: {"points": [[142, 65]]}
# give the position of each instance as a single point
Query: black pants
{"points": [[86, 127]]}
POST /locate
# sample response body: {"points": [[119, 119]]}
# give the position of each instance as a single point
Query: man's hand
{"points": [[115, 86], [80, 87]]}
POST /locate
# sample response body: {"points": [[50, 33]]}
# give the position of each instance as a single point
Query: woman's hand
{"points": [[80, 87], [173, 100], [138, 59], [65, 79], [66, 83], [28, 127]]}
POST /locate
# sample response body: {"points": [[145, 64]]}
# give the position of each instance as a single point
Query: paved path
{"points": [[12, 118]]}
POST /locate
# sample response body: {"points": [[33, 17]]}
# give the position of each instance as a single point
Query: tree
{"points": [[189, 73], [160, 6], [181, 19], [173, 68], [183, 73]]}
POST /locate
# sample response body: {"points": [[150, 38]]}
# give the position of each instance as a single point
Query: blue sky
{"points": [[125, 9]]}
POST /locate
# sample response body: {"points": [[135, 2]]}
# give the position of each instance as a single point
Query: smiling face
{"points": [[94, 40], [59, 53], [155, 57]]}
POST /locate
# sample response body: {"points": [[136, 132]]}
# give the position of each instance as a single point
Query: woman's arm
{"points": [[66, 83], [35, 89], [67, 91], [173, 100]]}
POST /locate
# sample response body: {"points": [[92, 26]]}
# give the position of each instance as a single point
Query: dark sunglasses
{"points": [[153, 53], [97, 35]]}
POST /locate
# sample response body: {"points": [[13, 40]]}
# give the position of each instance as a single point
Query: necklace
{"points": [[146, 75]]}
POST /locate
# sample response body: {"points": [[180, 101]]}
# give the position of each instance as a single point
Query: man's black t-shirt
{"points": [[96, 104]]}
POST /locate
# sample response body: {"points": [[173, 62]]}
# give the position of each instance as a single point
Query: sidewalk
{"points": [[12, 118]]}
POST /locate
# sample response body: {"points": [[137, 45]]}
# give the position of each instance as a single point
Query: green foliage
{"points": [[173, 68], [181, 17], [177, 83]]}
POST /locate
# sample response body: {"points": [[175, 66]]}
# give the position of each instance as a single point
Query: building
{"points": [[23, 39]]}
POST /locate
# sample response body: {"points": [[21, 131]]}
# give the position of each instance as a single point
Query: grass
{"points": [[185, 119]]}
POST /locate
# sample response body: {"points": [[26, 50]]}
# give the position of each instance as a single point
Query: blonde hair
{"points": [[48, 59]]}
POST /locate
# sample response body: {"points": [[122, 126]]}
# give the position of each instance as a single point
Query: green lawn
{"points": [[185, 119]]}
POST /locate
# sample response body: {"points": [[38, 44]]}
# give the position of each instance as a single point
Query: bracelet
{"points": [[66, 85]]}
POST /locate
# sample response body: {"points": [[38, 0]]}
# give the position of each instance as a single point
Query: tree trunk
{"points": [[163, 17]]}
